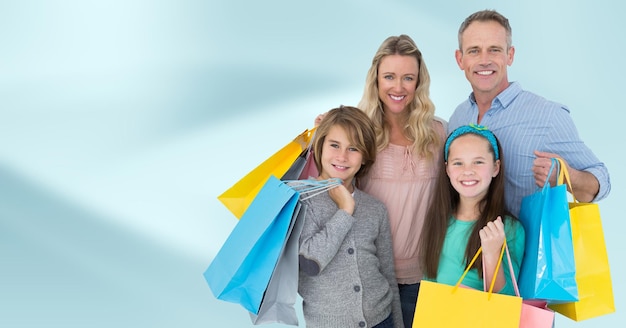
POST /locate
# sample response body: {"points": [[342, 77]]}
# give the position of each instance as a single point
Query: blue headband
{"points": [[474, 129]]}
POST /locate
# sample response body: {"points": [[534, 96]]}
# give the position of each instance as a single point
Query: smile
{"points": [[485, 72], [396, 98]]}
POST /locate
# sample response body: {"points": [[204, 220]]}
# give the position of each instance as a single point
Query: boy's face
{"points": [[340, 159]]}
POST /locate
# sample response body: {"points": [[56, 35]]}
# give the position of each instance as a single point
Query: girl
{"points": [[468, 211], [346, 257]]}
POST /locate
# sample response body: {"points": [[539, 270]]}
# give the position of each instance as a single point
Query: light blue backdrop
{"points": [[121, 122]]}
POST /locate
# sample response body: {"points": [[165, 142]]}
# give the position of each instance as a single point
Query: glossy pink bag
{"points": [[535, 313]]}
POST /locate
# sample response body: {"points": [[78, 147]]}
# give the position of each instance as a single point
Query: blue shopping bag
{"points": [[241, 270], [281, 294], [548, 270]]}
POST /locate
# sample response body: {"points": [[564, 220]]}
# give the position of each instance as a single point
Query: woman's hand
{"points": [[319, 119]]}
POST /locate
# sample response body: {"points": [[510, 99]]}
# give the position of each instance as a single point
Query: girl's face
{"points": [[340, 159], [471, 166], [397, 81]]}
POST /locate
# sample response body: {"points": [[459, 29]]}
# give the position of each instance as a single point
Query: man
{"points": [[530, 128]]}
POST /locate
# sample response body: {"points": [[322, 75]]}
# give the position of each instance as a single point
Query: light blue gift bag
{"points": [[548, 270], [241, 270]]}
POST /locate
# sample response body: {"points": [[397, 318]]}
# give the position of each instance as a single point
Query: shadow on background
{"points": [[63, 266]]}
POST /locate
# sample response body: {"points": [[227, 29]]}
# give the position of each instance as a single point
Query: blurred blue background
{"points": [[122, 121]]}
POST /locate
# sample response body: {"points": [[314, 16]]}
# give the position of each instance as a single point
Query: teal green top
{"points": [[452, 261]]}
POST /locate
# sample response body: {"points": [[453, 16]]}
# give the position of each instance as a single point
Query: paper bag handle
{"points": [[495, 274], [564, 177], [508, 257], [305, 138], [553, 163], [310, 188]]}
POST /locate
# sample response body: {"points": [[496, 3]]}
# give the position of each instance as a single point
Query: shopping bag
{"points": [[441, 305], [310, 169], [241, 270], [303, 167], [238, 197], [294, 171], [548, 269], [593, 276], [277, 305], [535, 313]]}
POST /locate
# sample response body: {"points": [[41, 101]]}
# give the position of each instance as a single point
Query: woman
{"points": [[409, 140]]}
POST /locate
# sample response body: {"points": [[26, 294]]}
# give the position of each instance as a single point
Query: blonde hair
{"points": [[418, 126]]}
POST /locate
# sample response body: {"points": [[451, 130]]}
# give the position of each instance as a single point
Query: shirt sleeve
{"points": [[563, 139]]}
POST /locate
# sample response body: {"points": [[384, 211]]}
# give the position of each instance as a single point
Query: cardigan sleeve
{"points": [[321, 238]]}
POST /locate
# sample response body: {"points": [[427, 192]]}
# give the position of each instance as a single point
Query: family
{"points": [[421, 195]]}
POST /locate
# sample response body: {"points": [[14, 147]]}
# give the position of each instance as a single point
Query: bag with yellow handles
{"points": [[593, 276], [238, 197]]}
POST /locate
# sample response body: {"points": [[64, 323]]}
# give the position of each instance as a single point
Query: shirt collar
{"points": [[504, 98]]}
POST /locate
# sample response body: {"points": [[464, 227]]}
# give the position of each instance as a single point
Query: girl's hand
{"points": [[343, 198], [492, 238]]}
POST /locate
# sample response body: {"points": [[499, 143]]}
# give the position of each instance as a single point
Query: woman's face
{"points": [[397, 81]]}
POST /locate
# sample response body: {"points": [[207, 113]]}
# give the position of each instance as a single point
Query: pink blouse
{"points": [[404, 182]]}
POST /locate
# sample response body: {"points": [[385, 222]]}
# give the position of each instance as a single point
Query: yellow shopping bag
{"points": [[238, 197], [441, 305], [593, 277]]}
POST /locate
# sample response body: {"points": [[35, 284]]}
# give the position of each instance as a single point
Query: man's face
{"points": [[485, 57]]}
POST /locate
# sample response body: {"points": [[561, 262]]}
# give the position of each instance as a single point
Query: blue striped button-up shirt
{"points": [[525, 122]]}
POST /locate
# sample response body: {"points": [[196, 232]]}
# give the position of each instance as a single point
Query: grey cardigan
{"points": [[347, 276]]}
